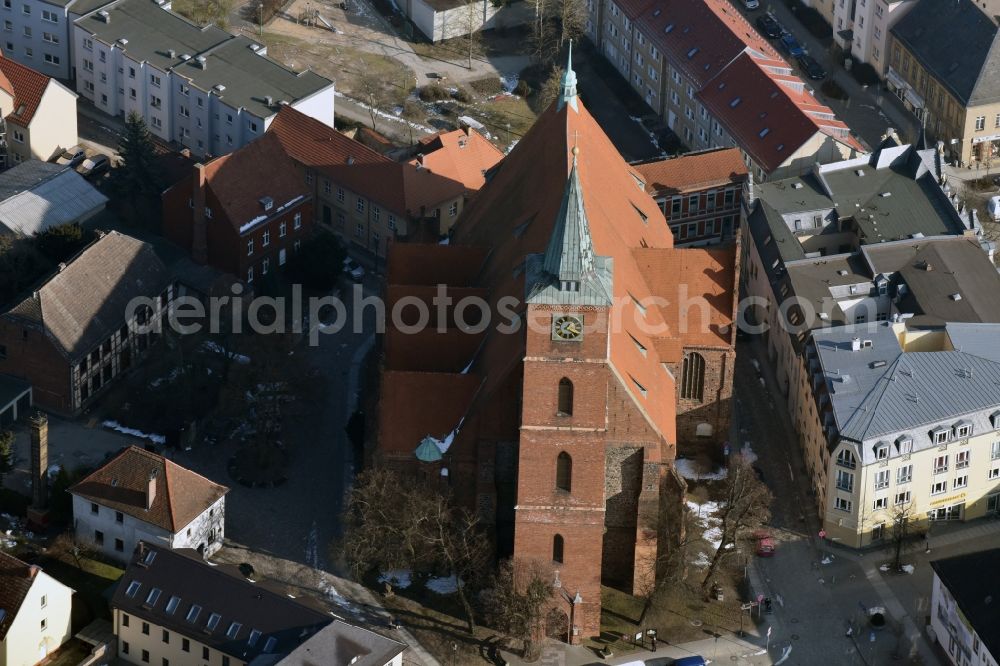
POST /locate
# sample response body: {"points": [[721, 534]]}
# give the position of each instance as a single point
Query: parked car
{"points": [[993, 208], [791, 45], [71, 156], [94, 166], [695, 660], [354, 269], [769, 26], [812, 68], [766, 547]]}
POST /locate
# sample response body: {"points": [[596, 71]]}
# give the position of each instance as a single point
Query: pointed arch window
{"points": [[557, 548], [564, 472], [565, 397], [693, 377]]}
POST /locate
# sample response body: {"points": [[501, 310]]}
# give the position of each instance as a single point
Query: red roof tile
{"points": [[26, 85], [693, 171], [181, 495], [460, 155]]}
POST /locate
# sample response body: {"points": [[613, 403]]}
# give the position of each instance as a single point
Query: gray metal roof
{"points": [[35, 196], [880, 393], [957, 42], [569, 257]]}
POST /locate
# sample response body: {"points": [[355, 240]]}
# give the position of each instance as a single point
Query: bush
{"points": [[462, 95], [491, 85], [522, 88], [833, 90], [413, 111], [432, 93]]}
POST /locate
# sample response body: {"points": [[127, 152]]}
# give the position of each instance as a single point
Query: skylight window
{"points": [[254, 637], [193, 614], [692, 53], [657, 12], [213, 621], [234, 630], [669, 28], [270, 643], [172, 604], [736, 102], [640, 387], [764, 132], [153, 597], [150, 556], [133, 588]]}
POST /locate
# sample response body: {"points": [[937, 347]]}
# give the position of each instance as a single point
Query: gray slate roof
{"points": [[881, 392], [342, 643], [958, 43], [85, 302], [35, 196]]}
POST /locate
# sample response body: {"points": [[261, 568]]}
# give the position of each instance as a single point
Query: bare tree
{"points": [[551, 88], [572, 20], [372, 90], [745, 507], [472, 17], [901, 515], [671, 565], [543, 42], [515, 602]]}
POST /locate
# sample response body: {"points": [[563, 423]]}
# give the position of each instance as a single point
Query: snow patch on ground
{"points": [[702, 561], [908, 568], [398, 578], [689, 469], [444, 585], [174, 374], [114, 425], [705, 513], [509, 82], [208, 345], [748, 453]]}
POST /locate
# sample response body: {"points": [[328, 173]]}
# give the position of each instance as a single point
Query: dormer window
{"points": [[569, 285], [995, 420], [267, 203], [939, 435], [881, 451], [846, 459], [963, 429], [904, 445]]}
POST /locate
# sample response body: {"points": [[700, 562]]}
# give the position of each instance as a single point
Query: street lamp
{"points": [[260, 14]]}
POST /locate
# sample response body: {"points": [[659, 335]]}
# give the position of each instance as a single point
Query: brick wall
{"points": [[29, 355]]}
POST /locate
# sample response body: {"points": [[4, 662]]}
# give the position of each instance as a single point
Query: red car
{"points": [[766, 546]]}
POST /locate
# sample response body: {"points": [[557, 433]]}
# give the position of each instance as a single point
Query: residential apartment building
{"points": [[717, 83], [74, 334], [174, 608], [199, 86], [857, 243], [39, 114], [962, 612], [947, 78], [910, 414], [36, 33], [861, 28], [141, 496], [36, 617], [700, 194], [245, 213], [365, 198]]}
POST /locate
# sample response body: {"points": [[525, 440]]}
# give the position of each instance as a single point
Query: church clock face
{"points": [[567, 327]]}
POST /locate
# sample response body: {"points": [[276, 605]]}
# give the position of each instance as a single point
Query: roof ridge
{"points": [[992, 55], [169, 496]]}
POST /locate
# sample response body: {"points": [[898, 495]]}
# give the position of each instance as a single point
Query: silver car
{"points": [[71, 156]]}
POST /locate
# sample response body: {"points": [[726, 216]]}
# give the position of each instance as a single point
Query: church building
{"points": [[554, 409]]}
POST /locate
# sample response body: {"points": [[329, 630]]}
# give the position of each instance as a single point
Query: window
{"points": [[213, 621], [961, 481], [145, 656], [963, 430], [51, 17], [994, 473], [153, 78], [250, 274], [26, 9], [204, 652], [234, 630], [45, 601], [124, 620], [88, 44], [564, 472], [939, 487], [193, 613], [249, 246], [881, 451], [453, 209], [980, 123], [155, 101], [124, 647], [842, 504], [145, 628], [172, 603], [185, 645], [995, 451], [902, 498], [266, 239], [361, 205], [93, 507], [882, 479], [941, 464], [904, 474], [119, 517], [99, 537], [282, 229], [940, 436], [880, 503], [845, 480], [846, 459], [962, 459], [154, 594], [557, 549], [693, 377], [254, 637], [119, 545], [340, 191], [565, 407], [265, 264]]}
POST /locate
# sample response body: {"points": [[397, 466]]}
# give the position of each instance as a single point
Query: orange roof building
{"points": [[141, 496], [558, 406], [463, 155], [40, 113], [717, 82]]}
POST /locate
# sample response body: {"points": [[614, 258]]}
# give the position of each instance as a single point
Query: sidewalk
{"points": [[717, 649]]}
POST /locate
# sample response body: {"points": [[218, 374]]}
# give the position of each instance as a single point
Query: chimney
{"points": [[39, 460], [105, 15], [150, 490], [202, 61], [856, 344], [199, 230]]}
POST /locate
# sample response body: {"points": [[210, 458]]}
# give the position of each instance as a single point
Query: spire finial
{"points": [[568, 95]]}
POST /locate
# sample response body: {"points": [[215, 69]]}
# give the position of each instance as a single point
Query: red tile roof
{"points": [[181, 495], [16, 578], [26, 85], [693, 171], [259, 169], [398, 187], [461, 155]]}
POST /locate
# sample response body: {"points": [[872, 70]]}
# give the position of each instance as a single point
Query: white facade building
{"points": [[965, 625], [36, 613], [141, 496], [861, 27], [198, 86]]}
